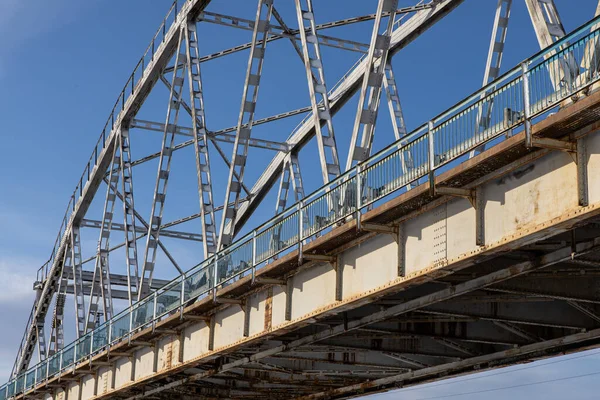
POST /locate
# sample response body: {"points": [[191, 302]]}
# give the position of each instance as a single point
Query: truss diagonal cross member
{"points": [[284, 187], [40, 327], [290, 175], [101, 287], [207, 218], [321, 110], [78, 280], [129, 216], [245, 121], [339, 96], [57, 340], [549, 28], [591, 60], [493, 63], [164, 168], [366, 114], [397, 116], [41, 342]]}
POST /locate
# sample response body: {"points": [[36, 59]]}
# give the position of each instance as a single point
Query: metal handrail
{"points": [[447, 138]]}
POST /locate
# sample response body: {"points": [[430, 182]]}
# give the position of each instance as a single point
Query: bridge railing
{"points": [[531, 90]]}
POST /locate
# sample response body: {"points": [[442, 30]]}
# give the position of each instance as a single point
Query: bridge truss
{"points": [[122, 270]]}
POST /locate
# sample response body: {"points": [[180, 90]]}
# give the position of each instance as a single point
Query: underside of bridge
{"points": [[552, 310], [403, 300], [469, 244]]}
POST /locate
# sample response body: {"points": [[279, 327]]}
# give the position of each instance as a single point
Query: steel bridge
{"points": [[469, 243]]}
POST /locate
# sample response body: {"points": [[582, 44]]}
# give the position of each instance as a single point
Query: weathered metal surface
{"points": [[530, 198]]}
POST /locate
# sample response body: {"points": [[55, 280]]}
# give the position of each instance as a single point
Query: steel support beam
{"points": [[205, 192], [370, 93], [164, 168], [549, 28], [222, 135], [315, 75], [245, 122], [101, 287], [161, 56], [325, 40], [446, 294], [195, 237], [401, 36], [493, 63]]}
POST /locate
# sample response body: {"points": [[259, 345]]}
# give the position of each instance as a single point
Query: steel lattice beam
{"points": [[245, 121], [401, 36], [154, 69]]}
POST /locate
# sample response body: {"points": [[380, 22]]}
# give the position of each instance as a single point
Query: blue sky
{"points": [[62, 64]]}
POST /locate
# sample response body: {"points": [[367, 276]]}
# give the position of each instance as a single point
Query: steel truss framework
{"points": [[175, 58]]}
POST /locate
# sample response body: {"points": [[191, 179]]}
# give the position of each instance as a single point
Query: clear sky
{"points": [[62, 64]]}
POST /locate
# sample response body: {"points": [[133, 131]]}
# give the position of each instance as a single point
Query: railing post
{"points": [[431, 158], [154, 312], [358, 195], [300, 231], [182, 294], [60, 360], [130, 324], [215, 267], [91, 344], [253, 255], [526, 105], [109, 335]]}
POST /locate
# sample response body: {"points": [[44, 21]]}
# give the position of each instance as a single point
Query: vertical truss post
{"points": [[321, 111], [493, 63], [207, 215], [284, 186], [549, 28], [591, 60], [366, 115], [245, 121], [129, 216], [526, 105], [78, 280], [164, 167], [41, 345], [41, 342], [57, 332], [296, 177], [290, 175], [393, 99], [101, 287]]}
